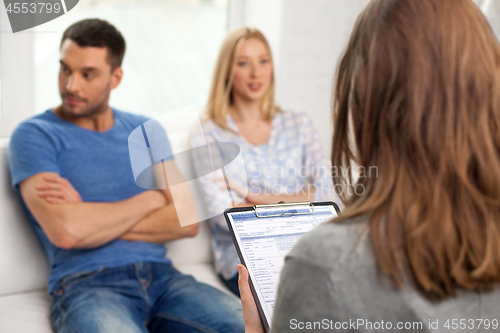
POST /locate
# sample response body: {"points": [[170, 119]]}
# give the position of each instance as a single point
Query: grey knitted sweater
{"points": [[330, 283]]}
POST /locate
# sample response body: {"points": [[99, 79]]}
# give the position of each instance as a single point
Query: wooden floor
{"points": [[171, 51]]}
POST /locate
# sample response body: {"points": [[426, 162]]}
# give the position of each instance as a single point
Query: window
{"points": [[171, 50]]}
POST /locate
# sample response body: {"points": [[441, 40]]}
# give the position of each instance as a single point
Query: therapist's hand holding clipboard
{"points": [[251, 316], [263, 235]]}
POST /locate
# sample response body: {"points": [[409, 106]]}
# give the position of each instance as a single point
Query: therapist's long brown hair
{"points": [[418, 96]]}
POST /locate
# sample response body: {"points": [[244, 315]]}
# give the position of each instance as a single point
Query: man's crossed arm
{"points": [[70, 223]]}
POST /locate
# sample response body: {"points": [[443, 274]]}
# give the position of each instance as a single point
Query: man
{"points": [[103, 234]]}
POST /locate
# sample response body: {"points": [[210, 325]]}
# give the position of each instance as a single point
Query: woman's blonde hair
{"points": [[419, 87], [220, 97]]}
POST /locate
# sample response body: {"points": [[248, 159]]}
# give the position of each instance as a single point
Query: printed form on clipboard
{"points": [[264, 234]]}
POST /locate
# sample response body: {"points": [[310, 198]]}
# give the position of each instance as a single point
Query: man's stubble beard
{"points": [[91, 110]]}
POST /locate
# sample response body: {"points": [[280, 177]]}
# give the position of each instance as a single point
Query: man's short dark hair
{"points": [[98, 33]]}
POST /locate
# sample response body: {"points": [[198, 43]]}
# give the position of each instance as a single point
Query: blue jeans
{"points": [[232, 284], [142, 297]]}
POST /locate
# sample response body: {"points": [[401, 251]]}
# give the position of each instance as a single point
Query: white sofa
{"points": [[24, 270]]}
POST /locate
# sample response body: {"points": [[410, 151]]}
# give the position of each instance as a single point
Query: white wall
{"points": [[266, 15], [491, 9], [16, 80], [313, 38]]}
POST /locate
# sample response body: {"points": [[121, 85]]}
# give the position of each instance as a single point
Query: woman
{"points": [[282, 155], [418, 91]]}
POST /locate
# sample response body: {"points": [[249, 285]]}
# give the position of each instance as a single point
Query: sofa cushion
{"points": [[30, 312], [26, 312], [179, 124], [194, 250], [23, 263]]}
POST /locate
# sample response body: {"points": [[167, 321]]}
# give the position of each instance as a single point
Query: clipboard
{"points": [[280, 205], [254, 230]]}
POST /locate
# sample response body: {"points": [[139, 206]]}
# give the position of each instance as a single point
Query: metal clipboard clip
{"points": [[282, 204]]}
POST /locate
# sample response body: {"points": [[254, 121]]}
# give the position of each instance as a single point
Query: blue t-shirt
{"points": [[98, 166]]}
